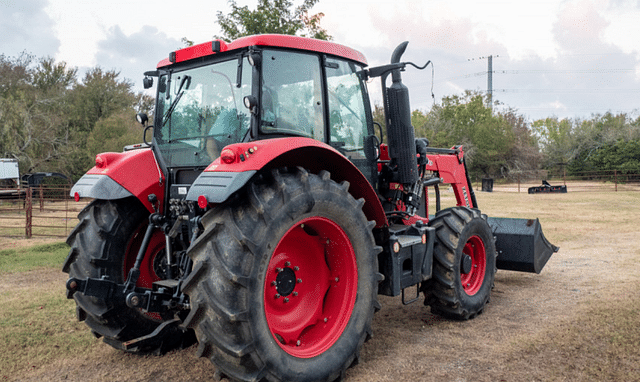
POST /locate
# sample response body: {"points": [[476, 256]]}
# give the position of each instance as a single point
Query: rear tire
{"points": [[105, 244], [285, 280], [464, 264]]}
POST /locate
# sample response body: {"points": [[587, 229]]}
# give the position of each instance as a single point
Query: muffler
{"points": [[520, 244]]}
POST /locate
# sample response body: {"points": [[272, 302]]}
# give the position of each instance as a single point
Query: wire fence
{"points": [[43, 211], [585, 181], [48, 211]]}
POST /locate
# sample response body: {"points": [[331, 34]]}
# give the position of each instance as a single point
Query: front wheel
{"points": [[464, 263], [104, 245], [285, 280]]}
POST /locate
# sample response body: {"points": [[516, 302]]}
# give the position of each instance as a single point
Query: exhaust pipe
{"points": [[400, 133]]}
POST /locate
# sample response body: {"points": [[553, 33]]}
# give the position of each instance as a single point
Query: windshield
{"points": [[200, 111]]}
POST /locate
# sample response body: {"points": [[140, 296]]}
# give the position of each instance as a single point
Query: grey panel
{"points": [[99, 187], [218, 186]]}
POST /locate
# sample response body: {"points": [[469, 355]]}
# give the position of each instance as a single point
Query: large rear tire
{"points": [[104, 245], [464, 264], [285, 280]]}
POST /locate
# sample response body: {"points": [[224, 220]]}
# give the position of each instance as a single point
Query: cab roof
{"points": [[267, 40]]}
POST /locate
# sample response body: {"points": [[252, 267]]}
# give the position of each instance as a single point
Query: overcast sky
{"points": [[552, 57]]}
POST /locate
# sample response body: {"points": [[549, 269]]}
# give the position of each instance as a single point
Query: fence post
{"points": [[65, 194], [41, 194], [518, 183], [28, 212], [615, 178]]}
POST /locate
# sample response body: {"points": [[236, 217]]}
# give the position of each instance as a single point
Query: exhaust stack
{"points": [[400, 133]]}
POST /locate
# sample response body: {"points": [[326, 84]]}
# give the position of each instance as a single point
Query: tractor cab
{"points": [[249, 90]]}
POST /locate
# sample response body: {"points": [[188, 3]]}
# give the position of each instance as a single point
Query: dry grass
{"points": [[576, 321]]}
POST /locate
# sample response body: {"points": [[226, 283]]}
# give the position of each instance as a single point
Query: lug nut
{"points": [[296, 268], [299, 281], [279, 270], [337, 279], [286, 299], [287, 264], [277, 295], [326, 319], [135, 300], [298, 343], [295, 293], [274, 283]]}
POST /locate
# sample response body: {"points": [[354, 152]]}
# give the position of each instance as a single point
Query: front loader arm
{"points": [[450, 166]]}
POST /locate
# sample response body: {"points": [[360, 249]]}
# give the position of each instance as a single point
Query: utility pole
{"points": [[489, 77], [490, 81]]}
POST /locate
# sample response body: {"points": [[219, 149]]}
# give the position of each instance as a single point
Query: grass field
{"points": [[577, 321]]}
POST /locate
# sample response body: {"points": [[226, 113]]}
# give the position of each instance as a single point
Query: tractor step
{"points": [[520, 244]]}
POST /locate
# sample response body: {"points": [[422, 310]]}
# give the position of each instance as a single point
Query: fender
{"points": [[120, 175], [220, 180]]}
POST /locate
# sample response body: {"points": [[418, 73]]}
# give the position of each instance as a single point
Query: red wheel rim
{"points": [[472, 281], [147, 274], [310, 287]]}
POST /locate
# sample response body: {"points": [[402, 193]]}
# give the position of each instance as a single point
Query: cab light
{"points": [[228, 156], [100, 162]]}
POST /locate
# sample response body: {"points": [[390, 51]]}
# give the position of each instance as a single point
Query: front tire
{"points": [[464, 264], [104, 245], [285, 280]]}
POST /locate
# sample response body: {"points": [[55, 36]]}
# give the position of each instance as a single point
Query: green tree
{"points": [[114, 132], [271, 16], [34, 110]]}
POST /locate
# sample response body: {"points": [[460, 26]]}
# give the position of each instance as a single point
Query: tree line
{"points": [[505, 144], [52, 120]]}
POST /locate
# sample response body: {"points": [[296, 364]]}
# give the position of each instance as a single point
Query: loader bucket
{"points": [[520, 244]]}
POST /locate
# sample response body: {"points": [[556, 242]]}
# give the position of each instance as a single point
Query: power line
{"points": [[592, 90], [567, 71]]}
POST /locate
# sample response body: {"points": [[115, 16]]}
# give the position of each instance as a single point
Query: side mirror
{"points": [[147, 82]]}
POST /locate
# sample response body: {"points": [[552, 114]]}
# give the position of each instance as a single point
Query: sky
{"points": [[562, 58]]}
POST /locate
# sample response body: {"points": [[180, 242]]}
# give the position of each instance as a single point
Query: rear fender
{"points": [[120, 175], [220, 180]]}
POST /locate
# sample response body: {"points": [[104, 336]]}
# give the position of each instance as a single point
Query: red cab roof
{"points": [[272, 40]]}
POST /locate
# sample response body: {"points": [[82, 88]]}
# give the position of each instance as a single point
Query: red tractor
{"points": [[266, 215]]}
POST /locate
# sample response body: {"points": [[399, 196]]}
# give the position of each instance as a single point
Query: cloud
{"points": [[25, 26], [134, 54]]}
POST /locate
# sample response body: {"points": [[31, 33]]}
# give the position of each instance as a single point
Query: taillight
{"points": [[203, 202], [228, 156]]}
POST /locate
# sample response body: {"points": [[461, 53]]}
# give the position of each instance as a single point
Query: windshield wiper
{"points": [[168, 113]]}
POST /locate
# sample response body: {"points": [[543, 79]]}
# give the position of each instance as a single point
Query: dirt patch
{"points": [[597, 264]]}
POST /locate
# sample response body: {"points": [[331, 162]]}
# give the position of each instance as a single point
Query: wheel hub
{"points": [[285, 281], [465, 264]]}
